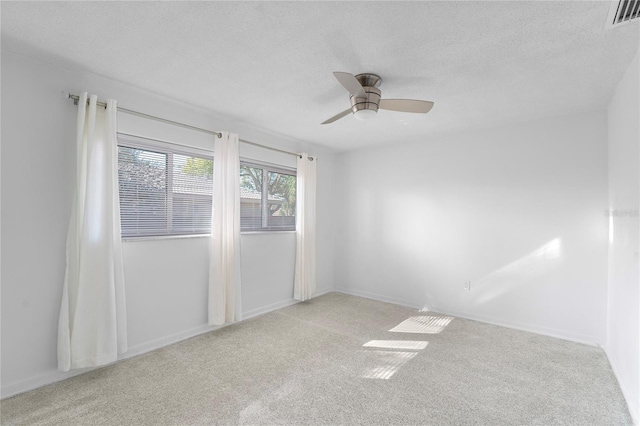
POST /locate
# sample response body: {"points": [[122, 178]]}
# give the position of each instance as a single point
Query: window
{"points": [[267, 198], [163, 191], [167, 190]]}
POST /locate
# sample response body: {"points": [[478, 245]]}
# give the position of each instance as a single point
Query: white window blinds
{"points": [[163, 191], [167, 189]]}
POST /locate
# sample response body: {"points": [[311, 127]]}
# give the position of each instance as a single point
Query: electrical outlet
{"points": [[467, 285]]}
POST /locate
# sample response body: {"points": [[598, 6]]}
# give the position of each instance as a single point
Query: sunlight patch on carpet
{"points": [[423, 324], [415, 345], [387, 364]]}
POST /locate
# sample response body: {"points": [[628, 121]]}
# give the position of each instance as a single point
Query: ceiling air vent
{"points": [[622, 12]]}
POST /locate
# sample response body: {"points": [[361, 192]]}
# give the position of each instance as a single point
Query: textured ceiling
{"points": [[270, 63]]}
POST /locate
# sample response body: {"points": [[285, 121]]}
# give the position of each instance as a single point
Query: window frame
{"points": [[264, 200], [169, 149]]}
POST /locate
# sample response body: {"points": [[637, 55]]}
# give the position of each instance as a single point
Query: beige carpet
{"points": [[334, 360]]}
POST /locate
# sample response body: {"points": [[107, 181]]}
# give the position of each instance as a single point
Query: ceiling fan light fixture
{"points": [[364, 114], [364, 96]]}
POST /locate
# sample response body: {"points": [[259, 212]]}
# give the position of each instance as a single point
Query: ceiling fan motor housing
{"points": [[364, 96], [369, 82]]}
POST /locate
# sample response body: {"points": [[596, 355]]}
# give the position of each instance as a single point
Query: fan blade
{"points": [[337, 117], [351, 83], [406, 105]]}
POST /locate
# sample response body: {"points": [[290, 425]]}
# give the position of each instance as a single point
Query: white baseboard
{"points": [[279, 305], [544, 331], [559, 334], [39, 381], [632, 402], [322, 291], [378, 297], [143, 348], [269, 308], [16, 388], [12, 389]]}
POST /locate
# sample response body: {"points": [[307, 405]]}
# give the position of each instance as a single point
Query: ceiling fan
{"points": [[365, 98]]}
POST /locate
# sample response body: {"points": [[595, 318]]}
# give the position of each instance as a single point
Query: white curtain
{"points": [[224, 254], [92, 324], [305, 270]]}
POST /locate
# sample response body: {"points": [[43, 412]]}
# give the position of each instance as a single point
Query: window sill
{"points": [[163, 237], [265, 232], [182, 237]]}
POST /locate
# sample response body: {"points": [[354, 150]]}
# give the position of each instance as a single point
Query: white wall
{"points": [[624, 244], [166, 280], [517, 210]]}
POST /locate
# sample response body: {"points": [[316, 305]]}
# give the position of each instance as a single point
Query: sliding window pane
{"points": [[282, 201], [250, 198], [142, 177], [192, 188], [191, 214]]}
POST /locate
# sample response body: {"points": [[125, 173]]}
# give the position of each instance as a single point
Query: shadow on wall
{"points": [[537, 263]]}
